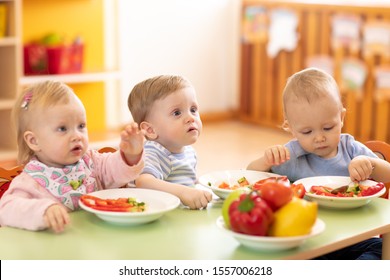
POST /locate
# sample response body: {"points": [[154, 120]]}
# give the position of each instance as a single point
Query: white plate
{"points": [[213, 179], [269, 243], [156, 204], [334, 182]]}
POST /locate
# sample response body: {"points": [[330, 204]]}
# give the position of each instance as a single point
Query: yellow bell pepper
{"points": [[297, 217]]}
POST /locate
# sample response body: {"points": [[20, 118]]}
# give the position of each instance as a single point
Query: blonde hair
{"points": [[31, 102], [310, 85], [145, 93]]}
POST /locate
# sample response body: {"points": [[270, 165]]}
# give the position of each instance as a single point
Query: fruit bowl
{"points": [[270, 243]]}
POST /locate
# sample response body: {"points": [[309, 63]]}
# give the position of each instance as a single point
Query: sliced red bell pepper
{"points": [[298, 190], [115, 205], [371, 190], [345, 194], [358, 191], [321, 190]]}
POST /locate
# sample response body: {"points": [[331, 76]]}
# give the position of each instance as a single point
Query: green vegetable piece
{"points": [[241, 180], [75, 184]]}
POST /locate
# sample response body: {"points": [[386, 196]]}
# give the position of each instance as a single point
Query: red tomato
{"points": [[281, 179], [298, 190], [274, 193]]}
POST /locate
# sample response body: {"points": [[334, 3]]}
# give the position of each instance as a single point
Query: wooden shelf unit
{"points": [[263, 78], [10, 71], [12, 81]]}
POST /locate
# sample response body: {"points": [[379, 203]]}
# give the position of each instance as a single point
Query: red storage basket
{"points": [[40, 59]]}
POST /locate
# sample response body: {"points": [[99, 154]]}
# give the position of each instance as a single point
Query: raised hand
{"points": [[132, 143]]}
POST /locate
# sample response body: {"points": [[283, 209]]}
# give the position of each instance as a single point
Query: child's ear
{"points": [[286, 126], [343, 113], [149, 130], [31, 141]]}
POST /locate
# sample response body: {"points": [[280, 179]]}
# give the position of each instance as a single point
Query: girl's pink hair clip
{"points": [[26, 100]]}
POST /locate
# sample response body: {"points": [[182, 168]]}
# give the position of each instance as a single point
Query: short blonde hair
{"points": [[310, 84], [145, 93], [33, 101]]}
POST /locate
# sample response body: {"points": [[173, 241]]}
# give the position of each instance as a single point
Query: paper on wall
{"points": [[282, 32]]}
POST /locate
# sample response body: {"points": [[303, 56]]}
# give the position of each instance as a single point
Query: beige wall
{"points": [[195, 38]]}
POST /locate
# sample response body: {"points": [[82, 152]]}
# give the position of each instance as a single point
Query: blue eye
{"points": [[176, 113]]}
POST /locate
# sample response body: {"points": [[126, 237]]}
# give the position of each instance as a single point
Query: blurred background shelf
{"points": [[6, 104], [10, 57], [74, 78], [96, 84], [8, 41], [263, 77]]}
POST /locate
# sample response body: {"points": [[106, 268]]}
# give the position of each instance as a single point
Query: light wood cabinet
{"points": [[10, 72]]}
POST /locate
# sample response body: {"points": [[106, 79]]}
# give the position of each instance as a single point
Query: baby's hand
{"points": [[132, 143], [360, 168], [56, 217], [276, 155], [195, 198]]}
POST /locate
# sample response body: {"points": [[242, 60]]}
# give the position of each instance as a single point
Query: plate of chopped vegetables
{"points": [[222, 183], [320, 188], [129, 206]]}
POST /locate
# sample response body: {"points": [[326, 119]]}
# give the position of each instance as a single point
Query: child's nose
{"points": [[320, 137], [76, 136], [190, 117]]}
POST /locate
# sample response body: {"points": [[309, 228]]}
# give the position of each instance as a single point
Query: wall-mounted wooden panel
{"points": [[263, 77]]}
